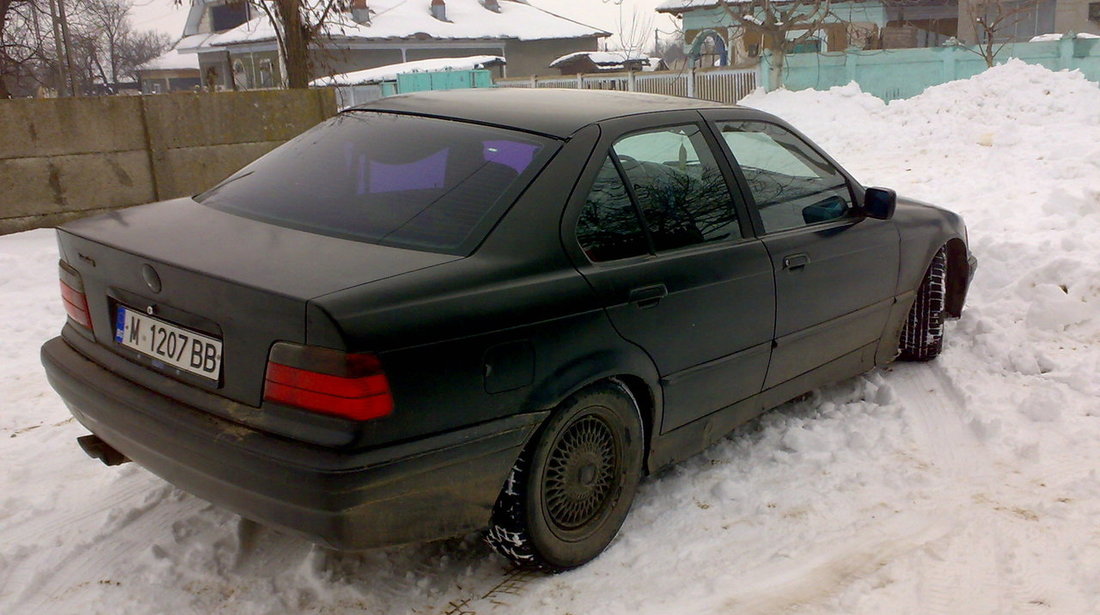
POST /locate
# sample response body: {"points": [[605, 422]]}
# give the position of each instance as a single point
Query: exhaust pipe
{"points": [[98, 449]]}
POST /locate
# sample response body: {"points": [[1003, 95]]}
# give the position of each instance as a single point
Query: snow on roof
{"points": [[389, 73], [193, 42], [1044, 38], [677, 6], [467, 19], [602, 58], [172, 60]]}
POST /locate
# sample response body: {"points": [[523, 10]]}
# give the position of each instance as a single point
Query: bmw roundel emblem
{"points": [[152, 280]]}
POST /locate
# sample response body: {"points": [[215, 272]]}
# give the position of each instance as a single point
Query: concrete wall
{"points": [[902, 73], [64, 158]]}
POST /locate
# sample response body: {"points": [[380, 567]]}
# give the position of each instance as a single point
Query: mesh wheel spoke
{"points": [[580, 473]]}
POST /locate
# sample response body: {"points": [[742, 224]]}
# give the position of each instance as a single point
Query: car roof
{"points": [[553, 112]]}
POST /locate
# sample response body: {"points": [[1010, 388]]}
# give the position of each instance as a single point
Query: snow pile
{"points": [[1016, 151], [965, 485]]}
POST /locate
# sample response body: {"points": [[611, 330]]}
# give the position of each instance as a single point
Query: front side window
{"points": [[404, 181], [792, 185]]}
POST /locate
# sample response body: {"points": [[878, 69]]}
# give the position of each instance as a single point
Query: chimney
{"points": [[439, 10], [360, 12], [492, 5]]}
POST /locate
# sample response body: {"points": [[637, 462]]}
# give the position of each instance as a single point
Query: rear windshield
{"points": [[406, 181]]}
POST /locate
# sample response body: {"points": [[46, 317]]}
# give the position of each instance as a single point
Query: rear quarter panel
{"points": [[512, 328]]}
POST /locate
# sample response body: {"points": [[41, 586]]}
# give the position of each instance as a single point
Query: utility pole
{"points": [[62, 73], [73, 89]]}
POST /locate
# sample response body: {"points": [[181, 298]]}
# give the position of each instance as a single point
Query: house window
{"points": [[265, 76], [240, 75], [229, 15]]}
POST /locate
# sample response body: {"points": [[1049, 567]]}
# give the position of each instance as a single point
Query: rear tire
{"points": [[922, 336], [568, 493]]}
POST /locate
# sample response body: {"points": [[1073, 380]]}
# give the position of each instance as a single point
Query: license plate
{"points": [[169, 344]]}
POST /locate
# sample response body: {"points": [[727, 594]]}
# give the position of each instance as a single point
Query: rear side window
{"points": [[609, 227], [681, 191], [670, 194], [406, 181]]}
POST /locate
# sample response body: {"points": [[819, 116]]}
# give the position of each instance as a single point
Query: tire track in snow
{"points": [[784, 586], [938, 414], [992, 505], [936, 409], [49, 576]]}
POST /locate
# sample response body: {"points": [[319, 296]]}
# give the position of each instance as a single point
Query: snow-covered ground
{"points": [[968, 485]]}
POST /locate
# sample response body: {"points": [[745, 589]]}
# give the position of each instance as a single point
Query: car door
{"points": [[668, 250], [835, 268]]}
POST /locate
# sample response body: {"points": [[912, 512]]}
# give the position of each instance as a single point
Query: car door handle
{"points": [[648, 296], [794, 262]]}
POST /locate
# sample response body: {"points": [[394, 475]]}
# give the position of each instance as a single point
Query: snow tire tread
{"points": [[922, 335]]}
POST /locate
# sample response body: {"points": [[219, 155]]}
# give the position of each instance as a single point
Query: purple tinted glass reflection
{"points": [[512, 153], [424, 174]]}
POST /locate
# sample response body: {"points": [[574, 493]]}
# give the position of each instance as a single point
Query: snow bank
{"points": [[965, 485]]}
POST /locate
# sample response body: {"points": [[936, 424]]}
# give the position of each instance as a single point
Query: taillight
{"points": [[327, 381], [72, 295]]}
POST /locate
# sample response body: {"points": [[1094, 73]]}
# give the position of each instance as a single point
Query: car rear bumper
{"points": [[430, 488]]}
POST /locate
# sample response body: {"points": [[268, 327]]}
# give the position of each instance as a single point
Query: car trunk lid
{"points": [[218, 276]]}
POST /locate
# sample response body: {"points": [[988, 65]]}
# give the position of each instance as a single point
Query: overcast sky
{"points": [[165, 16]]}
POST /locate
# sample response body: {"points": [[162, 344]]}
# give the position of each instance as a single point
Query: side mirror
{"points": [[879, 203]]}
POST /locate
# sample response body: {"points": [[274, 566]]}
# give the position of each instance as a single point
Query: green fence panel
{"points": [[444, 80], [903, 73]]}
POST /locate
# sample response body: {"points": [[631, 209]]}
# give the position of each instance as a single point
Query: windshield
{"points": [[406, 181]]}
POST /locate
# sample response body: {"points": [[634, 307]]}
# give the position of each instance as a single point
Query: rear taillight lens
{"points": [[72, 295], [328, 381]]}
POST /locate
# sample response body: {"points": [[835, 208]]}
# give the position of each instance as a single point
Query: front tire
{"points": [[568, 493], [922, 336]]}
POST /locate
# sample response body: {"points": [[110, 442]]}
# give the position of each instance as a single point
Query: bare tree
{"points": [[671, 50], [780, 25], [102, 45], [107, 24], [137, 49], [22, 54], [634, 28], [990, 19]]}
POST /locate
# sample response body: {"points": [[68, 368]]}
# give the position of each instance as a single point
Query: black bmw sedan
{"points": [[488, 310]]}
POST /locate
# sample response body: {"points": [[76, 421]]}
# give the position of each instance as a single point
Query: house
{"points": [[711, 36], [171, 72], [237, 47], [605, 62]]}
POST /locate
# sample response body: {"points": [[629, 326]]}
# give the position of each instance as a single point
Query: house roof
{"points": [[405, 19], [172, 60], [602, 58], [389, 73]]}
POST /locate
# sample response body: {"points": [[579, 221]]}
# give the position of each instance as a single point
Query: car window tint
{"points": [[609, 227], [793, 186], [682, 193], [405, 181]]}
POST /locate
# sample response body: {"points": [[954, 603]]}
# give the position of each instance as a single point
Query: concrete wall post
{"points": [[1065, 51]]}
